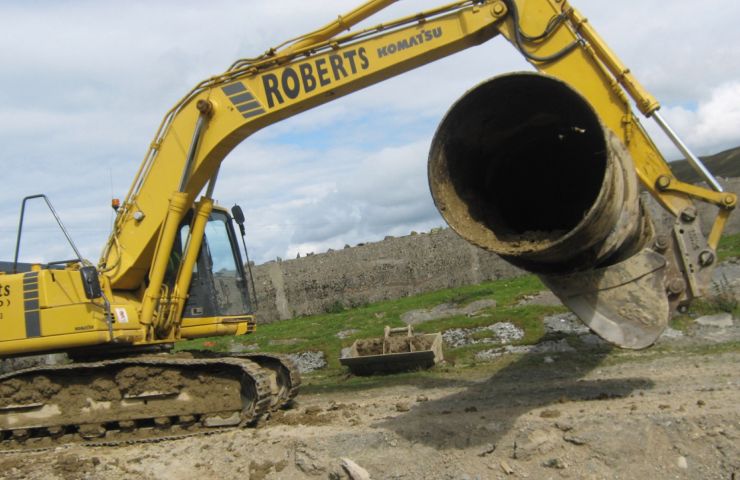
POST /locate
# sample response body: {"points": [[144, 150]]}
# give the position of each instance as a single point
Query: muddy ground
{"points": [[670, 412]]}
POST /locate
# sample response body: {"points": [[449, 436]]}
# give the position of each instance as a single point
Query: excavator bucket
{"points": [[522, 166], [399, 349]]}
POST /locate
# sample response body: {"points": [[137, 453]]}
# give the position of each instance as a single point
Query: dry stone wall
{"points": [[393, 268]]}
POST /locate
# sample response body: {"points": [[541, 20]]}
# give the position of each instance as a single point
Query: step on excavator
{"points": [[543, 168]]}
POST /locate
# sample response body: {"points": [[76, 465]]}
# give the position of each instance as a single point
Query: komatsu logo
{"points": [[307, 76], [412, 41]]}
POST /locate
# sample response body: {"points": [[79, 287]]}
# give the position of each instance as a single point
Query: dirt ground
{"points": [[655, 414]]}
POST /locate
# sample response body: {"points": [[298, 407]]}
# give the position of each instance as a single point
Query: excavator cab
{"points": [[219, 294], [219, 285]]}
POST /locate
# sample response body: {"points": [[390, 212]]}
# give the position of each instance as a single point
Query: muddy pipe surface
{"points": [[522, 167]]}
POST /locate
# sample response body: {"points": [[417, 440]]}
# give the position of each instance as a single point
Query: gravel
{"points": [[550, 346], [504, 332], [720, 320], [565, 323], [308, 361]]}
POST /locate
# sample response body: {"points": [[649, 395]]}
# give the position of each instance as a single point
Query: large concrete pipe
{"points": [[522, 166]]}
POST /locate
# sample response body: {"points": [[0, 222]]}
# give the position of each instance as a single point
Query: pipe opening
{"points": [[525, 155]]}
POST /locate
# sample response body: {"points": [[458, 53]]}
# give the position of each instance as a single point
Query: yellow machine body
{"points": [[139, 308], [56, 316]]}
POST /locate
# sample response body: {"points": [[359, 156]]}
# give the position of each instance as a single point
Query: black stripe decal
{"points": [[244, 97], [233, 89], [253, 113], [248, 106], [31, 304], [33, 324]]}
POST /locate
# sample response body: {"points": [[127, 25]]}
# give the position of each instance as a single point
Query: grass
{"points": [[729, 247], [319, 332]]}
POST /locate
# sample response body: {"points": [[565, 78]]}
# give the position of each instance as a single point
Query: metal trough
{"points": [[398, 350]]}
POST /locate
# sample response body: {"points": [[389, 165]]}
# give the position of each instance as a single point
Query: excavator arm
{"points": [[219, 113], [540, 168]]}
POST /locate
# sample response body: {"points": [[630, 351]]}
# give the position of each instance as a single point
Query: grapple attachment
{"points": [[522, 166]]}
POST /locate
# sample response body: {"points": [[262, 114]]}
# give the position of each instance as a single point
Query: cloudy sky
{"points": [[85, 84]]}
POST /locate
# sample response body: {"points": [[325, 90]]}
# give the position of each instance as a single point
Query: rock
{"points": [[545, 298], [445, 310], [555, 463], [564, 425], [682, 463], [312, 410], [565, 323], [307, 461], [475, 307], [345, 352], [402, 407], [720, 320], [535, 442], [550, 413], [415, 317], [347, 333], [560, 346], [575, 440], [503, 333], [486, 355], [354, 471], [506, 332], [308, 361], [241, 347], [457, 337], [489, 449], [422, 398], [287, 341], [671, 334]]}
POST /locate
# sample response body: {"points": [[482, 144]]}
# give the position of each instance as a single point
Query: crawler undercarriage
{"points": [[141, 397]]}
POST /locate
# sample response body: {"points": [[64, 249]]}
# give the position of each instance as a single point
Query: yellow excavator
{"points": [[541, 168]]}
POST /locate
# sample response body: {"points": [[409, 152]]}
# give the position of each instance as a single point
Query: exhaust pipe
{"points": [[522, 166]]}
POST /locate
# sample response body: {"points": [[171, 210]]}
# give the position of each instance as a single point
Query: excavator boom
{"points": [[541, 168]]}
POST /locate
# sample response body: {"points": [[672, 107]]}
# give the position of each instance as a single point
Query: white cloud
{"points": [[85, 84], [715, 124], [712, 126]]}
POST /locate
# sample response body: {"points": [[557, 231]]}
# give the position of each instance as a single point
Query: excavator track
{"points": [[284, 372], [285, 379], [131, 400]]}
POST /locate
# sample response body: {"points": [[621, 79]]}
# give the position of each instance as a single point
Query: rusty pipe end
{"points": [[522, 166]]}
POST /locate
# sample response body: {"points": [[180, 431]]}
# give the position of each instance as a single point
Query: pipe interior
{"points": [[526, 154]]}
